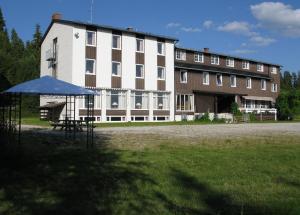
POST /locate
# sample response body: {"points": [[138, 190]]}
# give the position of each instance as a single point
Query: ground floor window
{"points": [[115, 118], [184, 102], [139, 100], [160, 118], [116, 99], [252, 104], [139, 118], [161, 101]]}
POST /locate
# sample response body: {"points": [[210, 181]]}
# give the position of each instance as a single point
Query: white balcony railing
{"points": [[258, 110]]}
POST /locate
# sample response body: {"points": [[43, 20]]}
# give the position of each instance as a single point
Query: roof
{"points": [[220, 70], [230, 56], [52, 105], [48, 85], [70, 22]]}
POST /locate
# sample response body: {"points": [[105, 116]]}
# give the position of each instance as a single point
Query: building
{"points": [[132, 71], [210, 82], [143, 77]]}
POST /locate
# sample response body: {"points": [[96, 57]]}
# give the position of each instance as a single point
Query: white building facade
{"points": [[133, 72]]}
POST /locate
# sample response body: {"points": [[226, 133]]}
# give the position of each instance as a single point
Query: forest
{"points": [[20, 61]]}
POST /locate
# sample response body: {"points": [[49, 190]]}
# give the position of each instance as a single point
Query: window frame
{"points": [[143, 71], [196, 57], [182, 54], [164, 73], [181, 81], [112, 69], [272, 70], [261, 84], [192, 100], [230, 61], [86, 38], [244, 62], [235, 81], [163, 48], [94, 67], [260, 67], [221, 78], [250, 85], [212, 59], [143, 45], [203, 74], [120, 42], [274, 87]]}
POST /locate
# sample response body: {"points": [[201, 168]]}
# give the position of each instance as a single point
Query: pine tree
{"points": [[17, 45], [2, 22]]}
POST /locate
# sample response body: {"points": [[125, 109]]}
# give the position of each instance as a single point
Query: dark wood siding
{"points": [[161, 60], [161, 85], [161, 112], [116, 82], [116, 112], [116, 55], [83, 112], [139, 58], [139, 112], [90, 80], [90, 52], [140, 83]]}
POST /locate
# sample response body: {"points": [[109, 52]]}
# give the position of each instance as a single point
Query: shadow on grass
{"points": [[52, 176], [208, 200]]}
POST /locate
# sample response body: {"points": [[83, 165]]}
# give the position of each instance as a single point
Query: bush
{"points": [[204, 118], [235, 109], [252, 117]]}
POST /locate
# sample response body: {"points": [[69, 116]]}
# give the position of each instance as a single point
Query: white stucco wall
{"points": [[170, 76], [150, 63]]}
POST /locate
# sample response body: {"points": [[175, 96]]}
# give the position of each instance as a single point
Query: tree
{"points": [[287, 81], [2, 22]]}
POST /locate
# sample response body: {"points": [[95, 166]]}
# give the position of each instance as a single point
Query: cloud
{"points": [[207, 24], [190, 29], [173, 25], [279, 17], [262, 41], [236, 27], [244, 51]]}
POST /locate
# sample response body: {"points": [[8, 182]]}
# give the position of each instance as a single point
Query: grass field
{"points": [[151, 175]]}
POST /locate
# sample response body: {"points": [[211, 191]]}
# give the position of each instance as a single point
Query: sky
{"points": [[263, 30]]}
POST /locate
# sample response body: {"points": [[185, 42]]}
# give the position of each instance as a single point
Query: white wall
{"points": [[150, 63], [170, 76], [103, 65], [128, 61]]}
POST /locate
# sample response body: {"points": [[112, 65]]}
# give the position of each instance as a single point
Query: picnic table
{"points": [[68, 124]]}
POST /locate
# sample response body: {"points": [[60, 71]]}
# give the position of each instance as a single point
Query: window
{"points": [[215, 59], [161, 74], [199, 57], [233, 81], [263, 84], [90, 66], [139, 72], [180, 55], [139, 100], [230, 62], [161, 101], [116, 69], [116, 99], [160, 48], [260, 67], [274, 88], [205, 78], [219, 80], [274, 70], [184, 102], [248, 83], [91, 38], [183, 76], [116, 42], [88, 103], [139, 45], [245, 65]]}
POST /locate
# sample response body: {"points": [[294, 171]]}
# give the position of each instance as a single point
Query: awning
{"points": [[257, 98], [52, 105]]}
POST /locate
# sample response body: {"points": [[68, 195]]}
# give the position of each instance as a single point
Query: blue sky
{"points": [[268, 31]]}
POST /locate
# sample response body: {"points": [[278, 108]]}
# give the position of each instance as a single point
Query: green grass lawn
{"points": [[151, 175]]}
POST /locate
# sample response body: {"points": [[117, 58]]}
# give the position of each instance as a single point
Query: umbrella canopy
{"points": [[48, 85]]}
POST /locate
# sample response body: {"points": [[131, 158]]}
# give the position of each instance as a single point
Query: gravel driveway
{"points": [[219, 130]]}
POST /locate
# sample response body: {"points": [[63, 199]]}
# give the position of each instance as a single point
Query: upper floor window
{"points": [[160, 48], [248, 83], [180, 55], [90, 66], [205, 78], [274, 70], [274, 87], [91, 38], [139, 45], [116, 69], [245, 65], [161, 74], [260, 67], [116, 42], [215, 60], [199, 57], [219, 80], [139, 71], [263, 84], [233, 81], [183, 76], [230, 62]]}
